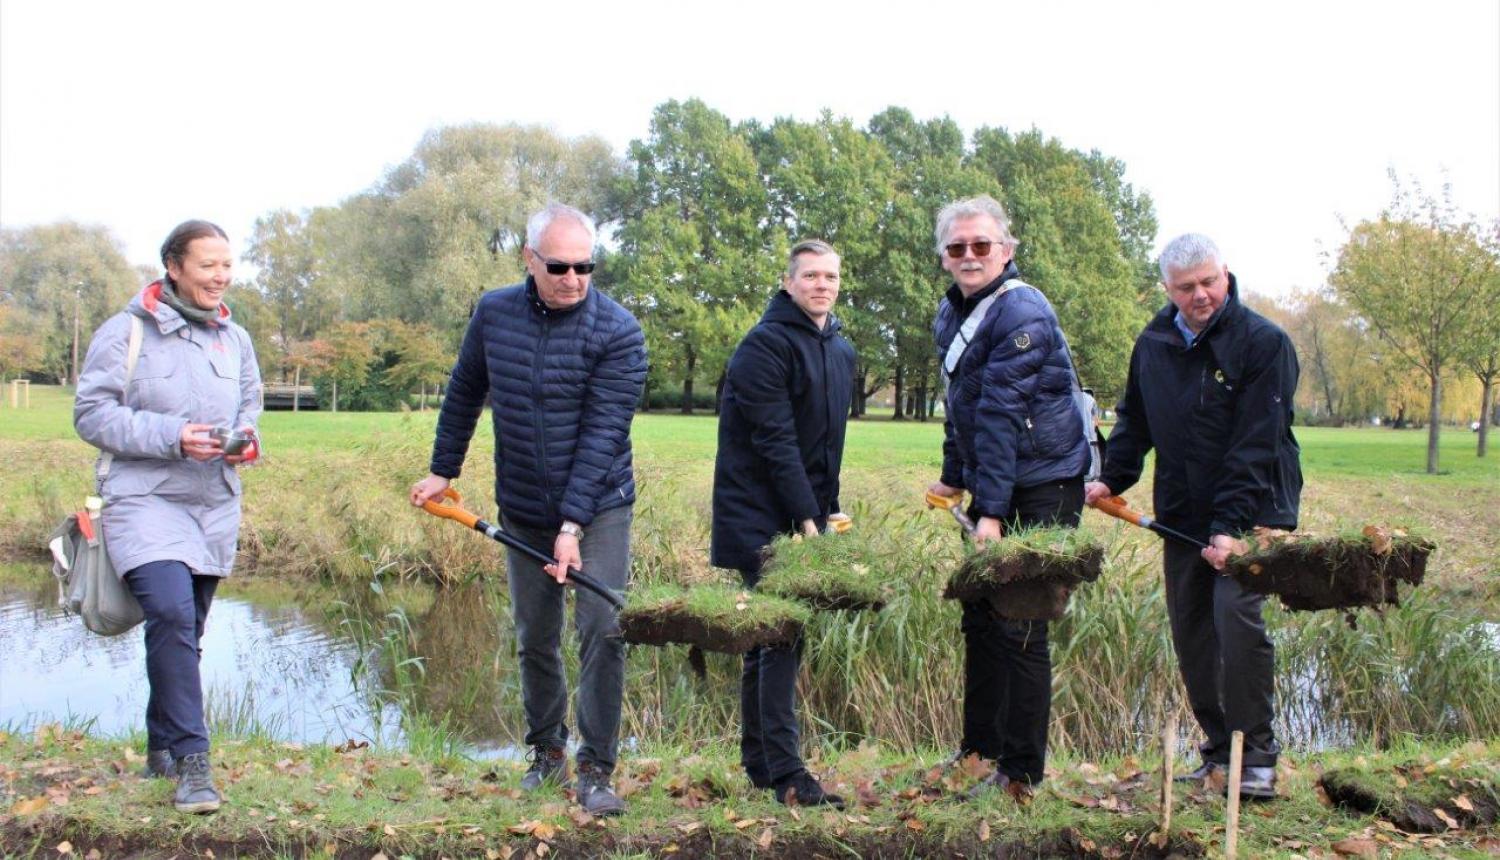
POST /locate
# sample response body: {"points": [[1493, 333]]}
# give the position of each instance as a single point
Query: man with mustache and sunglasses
{"points": [[562, 366], [1014, 438]]}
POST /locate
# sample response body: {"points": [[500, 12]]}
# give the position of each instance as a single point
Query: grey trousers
{"points": [[537, 604], [1228, 663]]}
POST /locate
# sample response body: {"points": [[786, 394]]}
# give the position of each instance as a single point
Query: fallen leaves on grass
{"points": [[1355, 847], [30, 805]]}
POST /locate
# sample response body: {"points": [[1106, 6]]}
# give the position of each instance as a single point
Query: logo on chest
{"points": [[1022, 341]]}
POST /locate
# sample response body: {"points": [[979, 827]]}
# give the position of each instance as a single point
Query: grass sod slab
{"points": [[1345, 571], [1031, 573], [712, 616], [838, 571], [1418, 799]]}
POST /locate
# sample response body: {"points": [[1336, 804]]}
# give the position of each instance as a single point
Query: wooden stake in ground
{"points": [[1168, 750], [1232, 825]]}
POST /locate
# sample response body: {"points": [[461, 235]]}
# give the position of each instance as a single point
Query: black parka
{"points": [[781, 432], [1219, 415]]}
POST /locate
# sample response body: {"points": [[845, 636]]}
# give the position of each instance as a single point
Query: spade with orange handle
{"points": [[954, 505], [1116, 507], [454, 512]]}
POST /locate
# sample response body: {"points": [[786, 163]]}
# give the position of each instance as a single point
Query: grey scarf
{"points": [[189, 312]]}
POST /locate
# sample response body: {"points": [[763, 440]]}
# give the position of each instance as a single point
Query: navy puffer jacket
{"points": [[1011, 420], [562, 387]]}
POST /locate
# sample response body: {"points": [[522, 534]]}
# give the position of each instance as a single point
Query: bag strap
{"points": [[132, 355], [970, 325]]}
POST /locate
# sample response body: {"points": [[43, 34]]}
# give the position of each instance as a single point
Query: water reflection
{"points": [[301, 674]]}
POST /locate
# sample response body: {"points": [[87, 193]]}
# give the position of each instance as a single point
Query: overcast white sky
{"points": [[1258, 123]]}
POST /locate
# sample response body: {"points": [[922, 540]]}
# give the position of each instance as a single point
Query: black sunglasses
{"points": [[555, 268], [980, 247]]}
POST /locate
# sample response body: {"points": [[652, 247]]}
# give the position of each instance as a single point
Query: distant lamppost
{"points": [[77, 302]]}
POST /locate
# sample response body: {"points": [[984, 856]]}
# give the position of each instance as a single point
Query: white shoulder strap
{"points": [[132, 355], [971, 325]]}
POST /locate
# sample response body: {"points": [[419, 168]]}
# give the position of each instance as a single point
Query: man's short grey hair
{"points": [[1188, 251], [972, 208], [537, 224], [816, 247]]}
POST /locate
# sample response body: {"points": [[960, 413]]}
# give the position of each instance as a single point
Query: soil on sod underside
{"points": [[713, 617], [679, 626], [1026, 583], [1310, 574], [1417, 801]]}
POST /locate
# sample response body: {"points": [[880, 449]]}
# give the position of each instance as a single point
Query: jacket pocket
{"points": [[136, 478]]}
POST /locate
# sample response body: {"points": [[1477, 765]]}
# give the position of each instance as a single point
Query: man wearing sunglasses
{"points": [[1014, 438], [562, 366]]}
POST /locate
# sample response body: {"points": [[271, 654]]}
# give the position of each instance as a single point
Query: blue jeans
{"points": [[537, 603], [176, 603]]}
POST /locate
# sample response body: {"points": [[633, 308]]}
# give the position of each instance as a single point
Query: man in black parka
{"points": [[1210, 390], [781, 440]]}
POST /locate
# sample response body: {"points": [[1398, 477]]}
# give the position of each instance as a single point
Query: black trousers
{"points": [[769, 737], [176, 603], [1007, 664], [1227, 661]]}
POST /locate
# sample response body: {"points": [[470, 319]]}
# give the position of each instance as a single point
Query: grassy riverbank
{"points": [[58, 787], [328, 507]]}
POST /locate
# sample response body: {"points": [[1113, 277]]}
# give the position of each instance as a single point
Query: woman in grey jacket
{"points": [[171, 494]]}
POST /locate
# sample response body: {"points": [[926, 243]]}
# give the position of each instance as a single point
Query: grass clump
{"points": [[712, 616], [1345, 571], [838, 571], [1029, 575]]}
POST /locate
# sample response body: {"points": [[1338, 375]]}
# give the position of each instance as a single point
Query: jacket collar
{"points": [[148, 302], [781, 309], [534, 299], [1163, 326], [963, 306]]}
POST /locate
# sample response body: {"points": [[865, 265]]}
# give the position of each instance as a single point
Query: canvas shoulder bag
{"points": [[87, 584]]}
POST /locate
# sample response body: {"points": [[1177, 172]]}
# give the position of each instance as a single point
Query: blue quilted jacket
{"points": [[562, 387], [1011, 421]]}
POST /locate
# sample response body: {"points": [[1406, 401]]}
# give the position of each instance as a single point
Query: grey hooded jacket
{"points": [[158, 504]]}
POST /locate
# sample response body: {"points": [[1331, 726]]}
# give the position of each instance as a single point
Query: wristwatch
{"points": [[573, 529]]}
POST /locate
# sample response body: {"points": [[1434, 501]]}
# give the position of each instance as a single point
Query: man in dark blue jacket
{"points": [[562, 367], [781, 440], [1014, 438], [1210, 389]]}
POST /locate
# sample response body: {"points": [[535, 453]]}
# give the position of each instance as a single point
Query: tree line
{"points": [[369, 298]]}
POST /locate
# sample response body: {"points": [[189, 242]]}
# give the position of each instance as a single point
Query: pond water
{"points": [[288, 672]]}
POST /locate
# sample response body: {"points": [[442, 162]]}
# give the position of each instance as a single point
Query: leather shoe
{"points": [[159, 763], [1202, 773], [1258, 783], [801, 789], [996, 780]]}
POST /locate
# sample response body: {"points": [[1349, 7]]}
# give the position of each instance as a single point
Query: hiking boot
{"points": [[1203, 772], [759, 780], [195, 785], [1258, 783], [996, 780], [594, 793], [801, 789], [548, 765], [159, 763]]}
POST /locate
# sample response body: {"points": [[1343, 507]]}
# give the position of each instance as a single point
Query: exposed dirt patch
{"points": [[1417, 801], [676, 625]]}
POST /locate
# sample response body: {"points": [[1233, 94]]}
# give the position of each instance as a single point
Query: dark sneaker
{"points": [[159, 763], [996, 781], [594, 793], [548, 765], [1203, 772], [195, 785], [1258, 783], [801, 789]]}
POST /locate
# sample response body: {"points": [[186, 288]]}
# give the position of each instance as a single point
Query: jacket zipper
{"points": [[538, 419]]}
